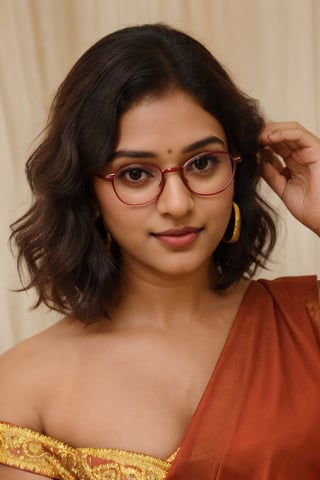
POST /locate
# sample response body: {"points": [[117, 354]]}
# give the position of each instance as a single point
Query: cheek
{"points": [[221, 206], [110, 206], [220, 219], [122, 221], [219, 216], [115, 220]]}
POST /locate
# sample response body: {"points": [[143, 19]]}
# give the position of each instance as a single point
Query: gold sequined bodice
{"points": [[31, 451]]}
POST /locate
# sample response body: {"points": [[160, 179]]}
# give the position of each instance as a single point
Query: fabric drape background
{"points": [[270, 47]]}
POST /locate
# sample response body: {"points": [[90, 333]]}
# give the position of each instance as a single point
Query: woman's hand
{"points": [[295, 178]]}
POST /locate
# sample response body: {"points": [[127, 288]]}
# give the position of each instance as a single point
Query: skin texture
{"points": [[145, 370], [172, 122]]}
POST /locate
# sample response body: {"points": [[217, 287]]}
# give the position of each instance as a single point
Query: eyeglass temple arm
{"points": [[107, 178]]}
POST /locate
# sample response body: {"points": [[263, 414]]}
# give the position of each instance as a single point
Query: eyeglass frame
{"points": [[111, 176]]}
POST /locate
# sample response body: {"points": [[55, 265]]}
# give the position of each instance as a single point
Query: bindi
{"points": [[169, 150]]}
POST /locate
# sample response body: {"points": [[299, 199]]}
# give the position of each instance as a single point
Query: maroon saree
{"points": [[259, 417]]}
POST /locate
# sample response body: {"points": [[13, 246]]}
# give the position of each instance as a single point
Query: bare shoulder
{"points": [[25, 371]]}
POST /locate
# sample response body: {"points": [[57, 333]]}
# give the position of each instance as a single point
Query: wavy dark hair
{"points": [[58, 238]]}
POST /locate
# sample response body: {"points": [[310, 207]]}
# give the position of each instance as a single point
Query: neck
{"points": [[161, 300]]}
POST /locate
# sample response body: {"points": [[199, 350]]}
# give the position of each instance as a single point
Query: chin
{"points": [[181, 268]]}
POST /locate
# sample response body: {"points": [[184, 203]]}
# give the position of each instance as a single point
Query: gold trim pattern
{"points": [[34, 452]]}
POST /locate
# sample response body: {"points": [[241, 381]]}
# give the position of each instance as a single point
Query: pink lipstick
{"points": [[178, 237]]}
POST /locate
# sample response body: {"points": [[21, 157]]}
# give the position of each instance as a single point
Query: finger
{"points": [[268, 155], [274, 178], [282, 125], [273, 126], [282, 149], [294, 138]]}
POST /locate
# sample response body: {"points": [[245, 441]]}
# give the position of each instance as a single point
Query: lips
{"points": [[178, 237]]}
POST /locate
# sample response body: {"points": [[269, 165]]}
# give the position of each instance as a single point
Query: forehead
{"points": [[167, 122]]}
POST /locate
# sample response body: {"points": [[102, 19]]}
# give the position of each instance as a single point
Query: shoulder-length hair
{"points": [[58, 238]]}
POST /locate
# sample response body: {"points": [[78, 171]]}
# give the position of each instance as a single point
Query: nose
{"points": [[175, 199]]}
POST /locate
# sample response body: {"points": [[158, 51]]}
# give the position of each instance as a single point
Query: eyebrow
{"points": [[146, 154], [203, 143]]}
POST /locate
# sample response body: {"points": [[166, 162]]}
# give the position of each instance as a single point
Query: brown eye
{"points": [[201, 163], [134, 174]]}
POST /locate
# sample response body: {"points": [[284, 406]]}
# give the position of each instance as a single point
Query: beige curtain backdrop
{"points": [[271, 47]]}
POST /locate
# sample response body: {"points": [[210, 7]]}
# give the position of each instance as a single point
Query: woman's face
{"points": [[177, 233]]}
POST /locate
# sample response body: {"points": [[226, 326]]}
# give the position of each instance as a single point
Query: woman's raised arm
{"points": [[296, 179]]}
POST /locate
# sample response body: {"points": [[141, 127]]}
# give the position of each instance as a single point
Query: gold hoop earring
{"points": [[236, 225]]}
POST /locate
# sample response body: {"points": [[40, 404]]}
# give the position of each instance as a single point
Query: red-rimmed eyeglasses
{"points": [[204, 175]]}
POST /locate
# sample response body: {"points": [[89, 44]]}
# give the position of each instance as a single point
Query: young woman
{"points": [[146, 227]]}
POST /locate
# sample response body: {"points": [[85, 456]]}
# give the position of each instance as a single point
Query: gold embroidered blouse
{"points": [[34, 452]]}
